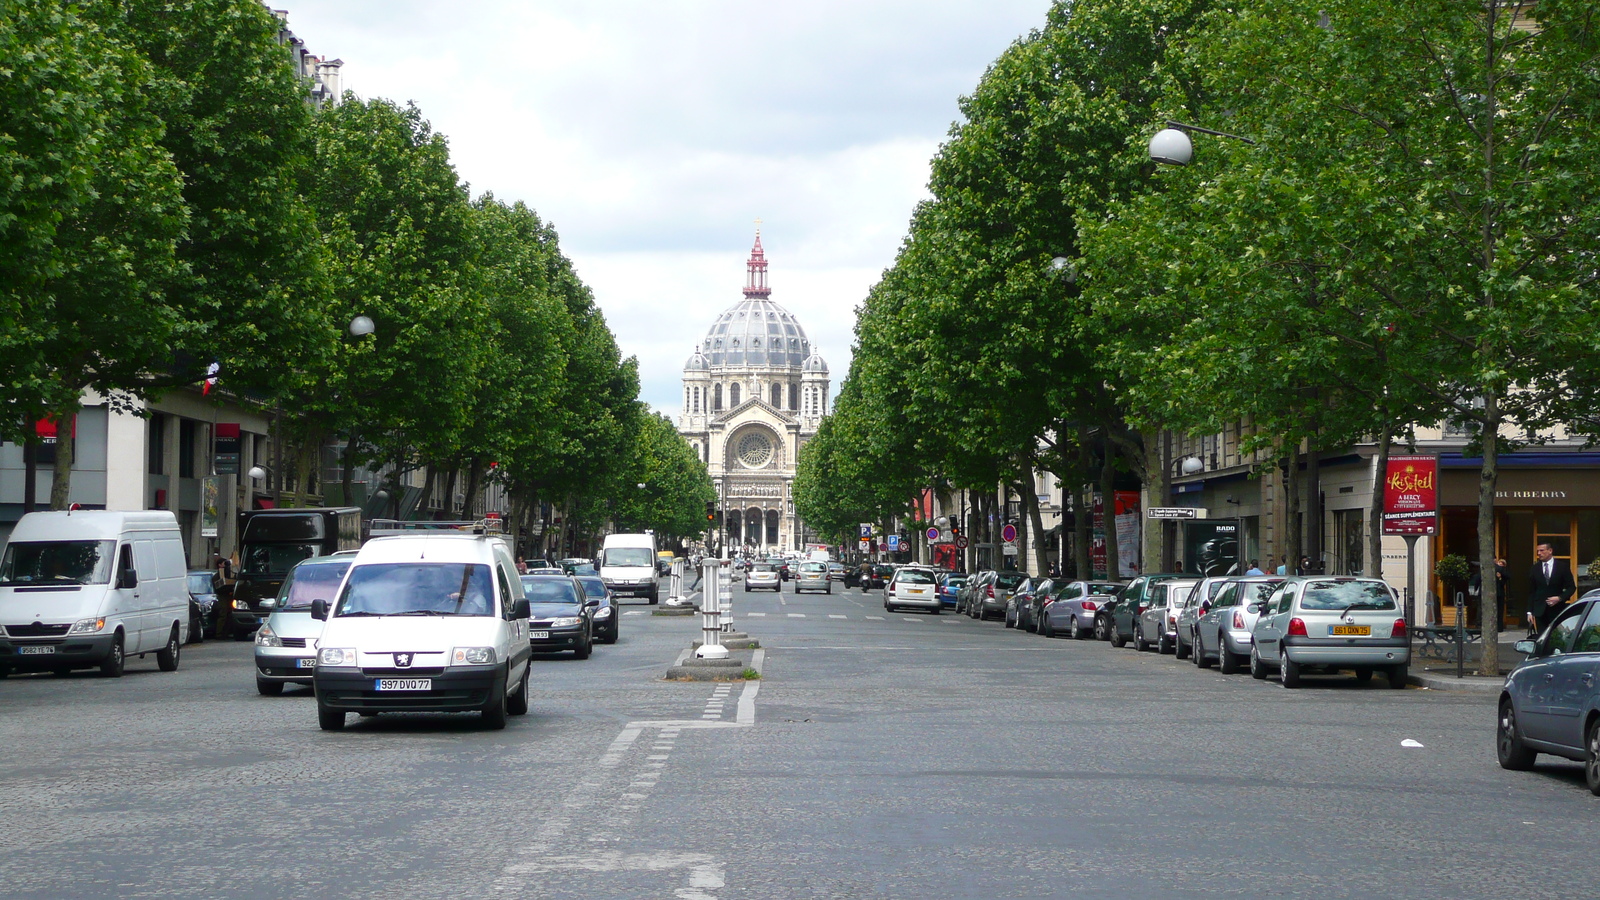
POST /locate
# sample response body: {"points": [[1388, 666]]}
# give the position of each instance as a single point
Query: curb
{"points": [[1452, 684]]}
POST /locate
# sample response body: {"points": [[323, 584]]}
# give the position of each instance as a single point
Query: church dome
{"points": [[696, 363], [814, 364], [756, 332]]}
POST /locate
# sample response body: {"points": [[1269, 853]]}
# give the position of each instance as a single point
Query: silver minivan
{"points": [[1157, 625], [1331, 624]]}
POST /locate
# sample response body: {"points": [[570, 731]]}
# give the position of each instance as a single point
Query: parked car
{"points": [[950, 587], [1020, 608], [607, 617], [912, 586], [531, 564], [970, 589], [853, 575], [812, 576], [1203, 593], [1549, 703], [989, 599], [560, 615], [1222, 631], [578, 567], [1075, 608], [763, 576], [1117, 618], [286, 643], [1317, 622], [204, 608], [1158, 620], [836, 571]]}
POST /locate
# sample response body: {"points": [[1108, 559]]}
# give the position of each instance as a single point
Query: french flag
{"points": [[211, 378]]}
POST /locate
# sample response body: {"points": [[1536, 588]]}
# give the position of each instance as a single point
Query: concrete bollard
{"points": [[725, 598], [711, 612]]}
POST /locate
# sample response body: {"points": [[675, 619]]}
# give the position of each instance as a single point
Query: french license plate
{"points": [[538, 635], [305, 663], [40, 650], [1350, 630], [404, 684]]}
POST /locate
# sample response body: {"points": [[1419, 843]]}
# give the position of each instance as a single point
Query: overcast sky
{"points": [[653, 134]]}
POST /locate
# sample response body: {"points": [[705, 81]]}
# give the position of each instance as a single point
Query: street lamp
{"points": [[257, 472], [361, 326], [1192, 465], [1171, 145], [1062, 268]]}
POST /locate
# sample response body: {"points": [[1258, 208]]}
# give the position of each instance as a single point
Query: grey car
{"points": [[1158, 621], [1317, 622], [990, 598], [1222, 631], [286, 643], [1200, 596], [1549, 703], [1075, 607]]}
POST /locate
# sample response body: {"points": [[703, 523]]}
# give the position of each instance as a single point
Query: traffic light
{"points": [[955, 530], [711, 511]]}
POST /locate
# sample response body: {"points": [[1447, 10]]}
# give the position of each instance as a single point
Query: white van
{"points": [[628, 565], [425, 623], [87, 588]]}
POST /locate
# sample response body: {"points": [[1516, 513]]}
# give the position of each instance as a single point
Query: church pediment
{"points": [[757, 410]]}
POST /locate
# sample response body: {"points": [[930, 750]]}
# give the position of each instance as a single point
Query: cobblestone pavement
{"points": [[882, 755]]}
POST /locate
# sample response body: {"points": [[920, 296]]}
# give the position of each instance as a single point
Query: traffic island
{"points": [[729, 669], [674, 611], [732, 640]]}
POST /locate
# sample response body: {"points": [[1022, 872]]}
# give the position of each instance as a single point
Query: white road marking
{"points": [[876, 618], [909, 619], [634, 612], [836, 616], [797, 615]]}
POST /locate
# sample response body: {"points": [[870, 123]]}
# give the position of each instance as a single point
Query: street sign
{"points": [[864, 544], [962, 542], [1009, 548], [1008, 533], [894, 543], [1411, 495], [1172, 512], [226, 458], [866, 529], [933, 534]]}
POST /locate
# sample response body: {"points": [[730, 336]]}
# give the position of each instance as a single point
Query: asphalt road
{"points": [[883, 755]]}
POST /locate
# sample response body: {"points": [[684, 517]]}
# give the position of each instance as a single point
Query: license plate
{"points": [[305, 663], [1350, 630], [404, 684], [538, 635], [44, 650]]}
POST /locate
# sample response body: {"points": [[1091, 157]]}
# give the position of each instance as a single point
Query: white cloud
{"points": [[652, 134]]}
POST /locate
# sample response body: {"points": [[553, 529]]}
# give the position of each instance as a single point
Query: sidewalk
{"points": [[1440, 674]]}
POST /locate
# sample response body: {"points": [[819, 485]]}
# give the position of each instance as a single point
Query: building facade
{"points": [[754, 392]]}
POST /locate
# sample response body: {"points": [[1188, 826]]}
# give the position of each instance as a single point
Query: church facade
{"points": [[754, 392]]}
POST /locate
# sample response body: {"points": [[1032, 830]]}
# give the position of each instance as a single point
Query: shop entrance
{"points": [[1574, 535]]}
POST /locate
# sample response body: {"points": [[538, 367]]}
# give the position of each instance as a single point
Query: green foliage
{"points": [[676, 483], [1452, 569]]}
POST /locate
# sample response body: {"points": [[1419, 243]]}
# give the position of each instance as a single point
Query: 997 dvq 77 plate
{"points": [[404, 684]]}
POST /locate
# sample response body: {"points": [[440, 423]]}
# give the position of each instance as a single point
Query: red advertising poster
{"points": [[1411, 495]]}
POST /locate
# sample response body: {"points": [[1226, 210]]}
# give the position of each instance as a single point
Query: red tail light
{"points": [[1171, 622], [1089, 606], [1399, 629], [1297, 627], [1238, 621], [990, 589]]}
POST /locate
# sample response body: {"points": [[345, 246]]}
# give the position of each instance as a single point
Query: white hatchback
{"points": [[913, 587]]}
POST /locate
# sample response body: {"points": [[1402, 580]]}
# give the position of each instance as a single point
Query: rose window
{"points": [[754, 450]]}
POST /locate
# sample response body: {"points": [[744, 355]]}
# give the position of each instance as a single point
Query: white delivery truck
{"points": [[86, 588], [628, 565]]}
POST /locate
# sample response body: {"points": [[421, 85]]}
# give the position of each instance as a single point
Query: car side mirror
{"points": [[519, 609], [1205, 607], [1253, 608], [1526, 648], [127, 579], [319, 610], [269, 603], [591, 603]]}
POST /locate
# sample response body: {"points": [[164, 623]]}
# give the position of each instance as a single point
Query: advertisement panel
{"points": [[1210, 548], [1411, 495], [210, 496], [1128, 526]]}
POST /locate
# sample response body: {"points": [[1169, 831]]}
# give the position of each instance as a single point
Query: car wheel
{"points": [[330, 719], [1398, 675], [1363, 676], [167, 657], [269, 688], [1591, 756], [1510, 750], [1198, 651], [1258, 669], [1179, 649], [1100, 629], [517, 703], [583, 650], [494, 709], [1139, 643], [1117, 640], [1227, 663], [1288, 670], [937, 610], [112, 665], [197, 629], [1049, 631]]}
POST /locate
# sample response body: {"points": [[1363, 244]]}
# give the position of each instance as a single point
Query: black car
{"points": [[876, 576], [606, 615], [561, 615], [203, 605]]}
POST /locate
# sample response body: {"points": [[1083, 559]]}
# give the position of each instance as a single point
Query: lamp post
{"points": [[1171, 145]]}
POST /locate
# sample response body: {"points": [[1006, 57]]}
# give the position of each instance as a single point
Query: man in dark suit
{"points": [[1550, 585]]}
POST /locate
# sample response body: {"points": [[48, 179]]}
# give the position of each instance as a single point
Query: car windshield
{"points": [[813, 567], [763, 567], [58, 562], [200, 583], [594, 587], [955, 581], [882, 570], [1104, 590], [1340, 595], [549, 590], [577, 568], [274, 559], [628, 556], [421, 589], [311, 582], [1009, 580], [914, 576]]}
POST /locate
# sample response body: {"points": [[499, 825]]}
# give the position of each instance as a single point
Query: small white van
{"points": [[425, 623], [87, 588], [628, 565]]}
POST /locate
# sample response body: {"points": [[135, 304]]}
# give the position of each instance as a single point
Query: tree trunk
{"points": [[1372, 566], [30, 470], [425, 499], [1041, 552], [61, 486], [474, 482], [1314, 505], [1082, 503], [1488, 475], [1108, 507], [1291, 511], [448, 501], [1157, 492], [347, 471]]}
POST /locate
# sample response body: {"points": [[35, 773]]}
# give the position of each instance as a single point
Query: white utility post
{"points": [[725, 596], [675, 589], [710, 612]]}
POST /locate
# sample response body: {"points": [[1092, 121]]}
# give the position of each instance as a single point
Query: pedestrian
{"points": [[1283, 567], [1550, 585], [225, 582], [1177, 565], [1305, 566], [1255, 568], [1502, 586]]}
